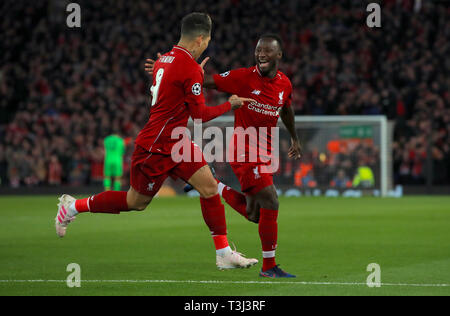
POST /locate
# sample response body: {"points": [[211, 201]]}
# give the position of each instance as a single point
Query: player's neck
{"points": [[189, 46], [271, 74]]}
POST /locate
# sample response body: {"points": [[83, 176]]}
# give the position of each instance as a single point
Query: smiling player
{"points": [[272, 91]]}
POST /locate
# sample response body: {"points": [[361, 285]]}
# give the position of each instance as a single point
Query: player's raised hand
{"points": [[150, 64], [237, 102], [295, 151], [203, 63]]}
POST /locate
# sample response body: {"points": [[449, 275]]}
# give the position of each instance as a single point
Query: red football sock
{"points": [[112, 202], [268, 232], [213, 213], [236, 200], [220, 241]]}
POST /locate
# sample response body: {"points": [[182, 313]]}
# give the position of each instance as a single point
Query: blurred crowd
{"points": [[63, 90], [338, 165]]}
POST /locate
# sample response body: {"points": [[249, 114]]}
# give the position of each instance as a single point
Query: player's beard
{"points": [[266, 70]]}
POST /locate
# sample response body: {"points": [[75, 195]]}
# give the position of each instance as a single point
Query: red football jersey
{"points": [[271, 95], [176, 94]]}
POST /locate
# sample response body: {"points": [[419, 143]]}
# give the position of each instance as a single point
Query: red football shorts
{"points": [[252, 176], [149, 170]]}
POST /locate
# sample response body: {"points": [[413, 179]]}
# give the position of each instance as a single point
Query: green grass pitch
{"points": [[166, 250]]}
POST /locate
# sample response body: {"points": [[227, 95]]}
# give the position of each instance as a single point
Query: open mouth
{"points": [[263, 64]]}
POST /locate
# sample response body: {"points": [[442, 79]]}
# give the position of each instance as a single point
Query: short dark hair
{"points": [[195, 24], [275, 37]]}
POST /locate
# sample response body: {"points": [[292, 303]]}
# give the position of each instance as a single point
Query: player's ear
{"points": [[280, 54], [199, 40]]}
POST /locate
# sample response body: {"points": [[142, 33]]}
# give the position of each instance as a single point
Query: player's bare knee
{"points": [[141, 206], [269, 201], [271, 204], [137, 205], [208, 190], [253, 214], [136, 201]]}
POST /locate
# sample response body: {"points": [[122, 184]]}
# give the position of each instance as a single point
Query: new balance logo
{"points": [[257, 92]]}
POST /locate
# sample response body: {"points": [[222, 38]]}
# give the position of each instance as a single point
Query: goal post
{"points": [[360, 126], [342, 155]]}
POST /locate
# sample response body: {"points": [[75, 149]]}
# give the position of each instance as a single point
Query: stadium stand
{"points": [[63, 90]]}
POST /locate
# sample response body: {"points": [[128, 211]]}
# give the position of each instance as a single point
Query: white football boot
{"points": [[63, 218], [234, 260]]}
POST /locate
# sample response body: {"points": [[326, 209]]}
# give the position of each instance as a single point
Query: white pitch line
{"points": [[225, 282]]}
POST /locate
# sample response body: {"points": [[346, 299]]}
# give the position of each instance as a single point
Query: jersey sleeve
{"points": [[193, 87], [230, 81], [195, 100]]}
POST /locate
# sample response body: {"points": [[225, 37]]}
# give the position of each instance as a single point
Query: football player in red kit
{"points": [[176, 96], [272, 91]]}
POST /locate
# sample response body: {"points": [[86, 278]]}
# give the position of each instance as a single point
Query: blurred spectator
{"points": [[62, 90], [304, 176], [54, 171], [364, 178], [341, 180]]}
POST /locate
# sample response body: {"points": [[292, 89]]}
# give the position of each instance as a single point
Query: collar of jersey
{"points": [[267, 78], [184, 50]]}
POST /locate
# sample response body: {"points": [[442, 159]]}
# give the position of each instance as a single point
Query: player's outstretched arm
{"points": [[237, 102], [288, 118], [206, 113], [208, 81]]}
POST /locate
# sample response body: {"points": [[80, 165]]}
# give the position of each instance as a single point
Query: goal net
{"points": [[342, 156]]}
